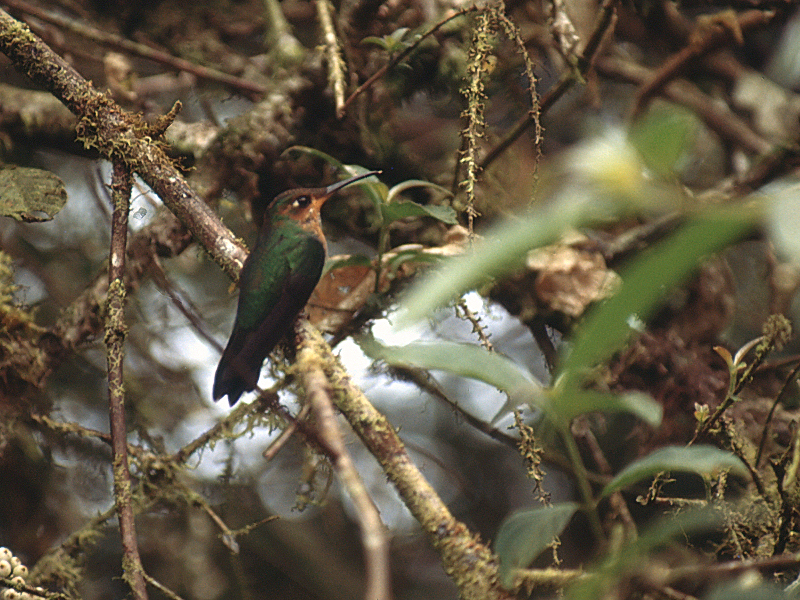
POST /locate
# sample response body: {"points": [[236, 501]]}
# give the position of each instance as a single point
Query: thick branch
{"points": [[466, 559], [373, 533]]}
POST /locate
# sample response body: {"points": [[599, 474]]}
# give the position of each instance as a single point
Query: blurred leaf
{"points": [[748, 589], [783, 218], [525, 534], [30, 195], [413, 255], [569, 405], [634, 555], [466, 360], [644, 285], [405, 208], [374, 40], [701, 459], [504, 249], [662, 135]]}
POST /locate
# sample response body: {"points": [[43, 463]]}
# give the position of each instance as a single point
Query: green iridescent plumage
{"points": [[276, 281]]}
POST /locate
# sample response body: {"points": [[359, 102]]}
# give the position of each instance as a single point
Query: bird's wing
{"points": [[276, 282]]}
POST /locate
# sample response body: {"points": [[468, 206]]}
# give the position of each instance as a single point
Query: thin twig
{"points": [[783, 391], [121, 186], [401, 56], [162, 588], [616, 499], [182, 302], [267, 400], [477, 327], [565, 82], [769, 343], [714, 571], [272, 450]]}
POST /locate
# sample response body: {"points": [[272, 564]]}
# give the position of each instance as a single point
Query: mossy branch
{"points": [[465, 558], [119, 135]]}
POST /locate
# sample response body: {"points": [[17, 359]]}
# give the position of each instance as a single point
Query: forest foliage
{"points": [[551, 352]]}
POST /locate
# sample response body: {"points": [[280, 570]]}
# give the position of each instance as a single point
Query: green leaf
{"points": [[633, 555], [410, 255], [405, 208], [569, 404], [30, 195], [645, 283], [466, 360], [376, 190], [357, 260], [374, 40], [702, 459], [401, 187], [504, 249], [662, 136], [390, 42], [318, 154], [525, 534]]}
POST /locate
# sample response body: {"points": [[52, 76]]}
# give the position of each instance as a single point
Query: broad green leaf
{"points": [[646, 282], [702, 459], [504, 249], [466, 360], [30, 195], [405, 208], [662, 136], [568, 404], [525, 535]]}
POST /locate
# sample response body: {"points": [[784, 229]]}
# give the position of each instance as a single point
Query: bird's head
{"points": [[303, 204]]}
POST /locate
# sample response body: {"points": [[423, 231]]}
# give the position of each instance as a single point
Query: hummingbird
{"points": [[276, 281]]}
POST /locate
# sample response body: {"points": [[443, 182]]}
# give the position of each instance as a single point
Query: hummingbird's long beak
{"points": [[335, 187]]}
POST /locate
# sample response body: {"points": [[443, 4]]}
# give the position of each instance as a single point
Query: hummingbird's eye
{"points": [[302, 201]]}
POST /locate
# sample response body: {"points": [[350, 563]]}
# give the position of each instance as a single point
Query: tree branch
{"points": [[121, 185], [373, 533], [466, 559], [118, 135]]}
